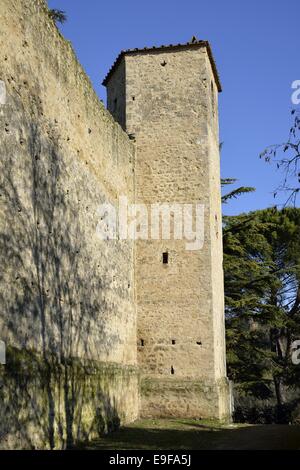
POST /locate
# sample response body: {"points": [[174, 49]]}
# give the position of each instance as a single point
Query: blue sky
{"points": [[255, 44]]}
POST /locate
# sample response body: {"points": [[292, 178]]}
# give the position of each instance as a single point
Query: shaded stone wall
{"points": [[116, 95], [65, 295], [50, 404]]}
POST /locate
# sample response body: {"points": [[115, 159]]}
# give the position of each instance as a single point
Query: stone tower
{"points": [[166, 98]]}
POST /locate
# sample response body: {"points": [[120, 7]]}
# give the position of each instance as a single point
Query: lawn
{"points": [[187, 434]]}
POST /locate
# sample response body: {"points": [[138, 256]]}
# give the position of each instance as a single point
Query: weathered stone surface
{"points": [[49, 404], [182, 397], [69, 301], [170, 106], [63, 293]]}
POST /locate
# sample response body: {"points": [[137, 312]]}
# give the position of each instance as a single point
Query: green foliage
{"points": [[262, 296], [236, 192], [58, 16]]}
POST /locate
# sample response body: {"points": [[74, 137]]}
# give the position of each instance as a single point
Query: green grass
{"points": [[189, 434]]}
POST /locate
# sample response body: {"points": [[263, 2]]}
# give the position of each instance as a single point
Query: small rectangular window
{"points": [[165, 258], [142, 342], [173, 341]]}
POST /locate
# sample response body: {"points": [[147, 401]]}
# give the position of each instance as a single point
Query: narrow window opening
{"points": [[142, 342], [199, 343], [165, 258], [172, 370], [173, 341], [133, 98], [164, 63], [115, 104]]}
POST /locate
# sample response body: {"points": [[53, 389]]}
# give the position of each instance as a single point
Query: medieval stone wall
{"points": [[67, 298], [76, 311]]}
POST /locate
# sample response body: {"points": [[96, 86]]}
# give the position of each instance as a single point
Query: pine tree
{"points": [[236, 192], [262, 297]]}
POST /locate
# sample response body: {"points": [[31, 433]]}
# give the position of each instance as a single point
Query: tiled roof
{"points": [[194, 42]]}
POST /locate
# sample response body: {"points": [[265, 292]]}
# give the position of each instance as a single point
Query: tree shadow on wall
{"points": [[52, 304]]}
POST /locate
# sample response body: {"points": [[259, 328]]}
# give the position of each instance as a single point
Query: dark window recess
{"points": [[172, 370], [199, 343], [133, 98], [173, 341], [142, 342], [115, 104], [165, 258], [164, 63]]}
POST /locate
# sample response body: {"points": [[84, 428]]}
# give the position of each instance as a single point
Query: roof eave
{"points": [[163, 48]]}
